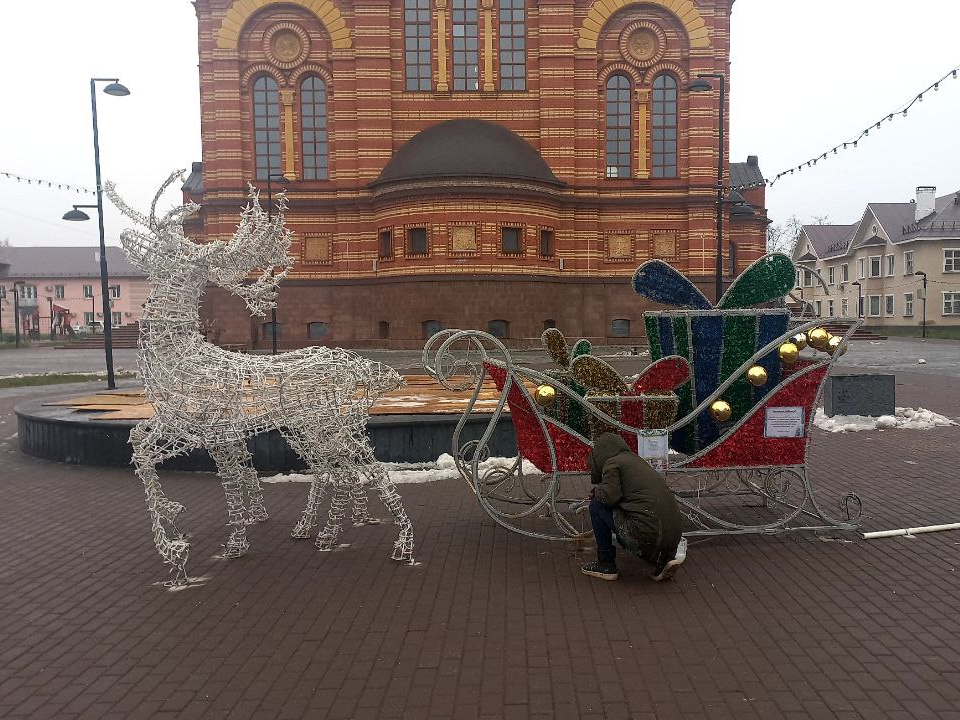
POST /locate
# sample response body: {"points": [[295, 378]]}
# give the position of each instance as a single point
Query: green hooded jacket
{"points": [[623, 479]]}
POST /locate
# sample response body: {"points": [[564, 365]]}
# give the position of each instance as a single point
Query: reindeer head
{"points": [[381, 379], [259, 247]]}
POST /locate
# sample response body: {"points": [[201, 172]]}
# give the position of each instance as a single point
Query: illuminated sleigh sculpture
{"points": [[732, 441]]}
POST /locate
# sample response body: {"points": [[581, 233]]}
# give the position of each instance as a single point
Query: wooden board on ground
{"points": [[422, 395]]}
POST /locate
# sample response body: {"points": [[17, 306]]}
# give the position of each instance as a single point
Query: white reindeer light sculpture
{"points": [[207, 397]]}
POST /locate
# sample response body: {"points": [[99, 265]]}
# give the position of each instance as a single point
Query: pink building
{"points": [[62, 285]]}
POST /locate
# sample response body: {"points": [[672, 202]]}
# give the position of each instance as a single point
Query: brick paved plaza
{"points": [[488, 624]]}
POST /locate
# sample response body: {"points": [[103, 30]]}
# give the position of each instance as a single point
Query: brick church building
{"points": [[493, 164]]}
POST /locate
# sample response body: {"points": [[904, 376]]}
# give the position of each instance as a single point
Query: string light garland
{"points": [[49, 183], [850, 144]]}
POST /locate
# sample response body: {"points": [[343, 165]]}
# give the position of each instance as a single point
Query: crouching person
{"points": [[631, 499]]}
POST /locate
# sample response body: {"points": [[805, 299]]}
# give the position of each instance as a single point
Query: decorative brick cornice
{"points": [[312, 69], [601, 11], [669, 67], [260, 69], [241, 11], [618, 68]]}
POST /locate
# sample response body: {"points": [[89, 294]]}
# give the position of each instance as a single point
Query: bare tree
{"points": [[782, 237]]}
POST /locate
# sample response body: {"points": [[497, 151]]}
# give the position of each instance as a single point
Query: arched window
{"points": [[499, 328], [547, 324], [316, 330], [431, 328], [271, 330], [664, 126], [619, 145], [266, 126], [620, 328], [384, 329], [313, 128]]}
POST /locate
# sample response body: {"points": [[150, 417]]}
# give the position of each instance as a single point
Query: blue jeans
{"points": [[602, 518]]}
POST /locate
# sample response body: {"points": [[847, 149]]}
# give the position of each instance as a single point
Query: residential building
{"points": [[884, 252], [62, 285], [493, 164]]}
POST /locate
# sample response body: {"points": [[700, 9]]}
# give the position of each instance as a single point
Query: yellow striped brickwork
{"points": [[356, 46]]}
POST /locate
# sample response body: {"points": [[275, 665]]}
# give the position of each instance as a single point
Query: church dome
{"points": [[467, 148]]}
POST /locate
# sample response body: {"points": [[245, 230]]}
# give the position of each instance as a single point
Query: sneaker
{"points": [[604, 571], [670, 568]]}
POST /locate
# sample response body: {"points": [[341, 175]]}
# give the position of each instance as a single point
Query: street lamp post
{"points": [[17, 287], [923, 322], [280, 180], [3, 296], [702, 84], [859, 299], [117, 90]]}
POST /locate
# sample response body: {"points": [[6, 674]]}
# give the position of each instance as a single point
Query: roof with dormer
{"points": [[830, 240]]}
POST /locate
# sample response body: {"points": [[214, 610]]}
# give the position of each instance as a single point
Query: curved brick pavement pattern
{"points": [[490, 625]]}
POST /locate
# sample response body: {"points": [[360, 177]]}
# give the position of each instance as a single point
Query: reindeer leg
{"points": [[257, 512], [328, 537], [150, 448], [308, 519], [312, 454], [403, 547], [360, 516], [229, 460]]}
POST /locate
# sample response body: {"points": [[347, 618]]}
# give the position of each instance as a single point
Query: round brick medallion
{"points": [[642, 43], [287, 45]]}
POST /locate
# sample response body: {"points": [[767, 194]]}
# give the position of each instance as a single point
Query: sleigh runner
{"points": [[735, 467]]}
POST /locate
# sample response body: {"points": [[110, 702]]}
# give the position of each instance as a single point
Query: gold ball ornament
{"points": [[721, 410], [818, 339], [788, 353], [757, 376], [545, 395], [834, 344], [800, 340]]}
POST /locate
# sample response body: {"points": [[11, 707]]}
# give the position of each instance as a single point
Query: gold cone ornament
{"points": [[818, 339], [545, 395], [721, 410], [800, 340], [757, 376], [788, 353]]}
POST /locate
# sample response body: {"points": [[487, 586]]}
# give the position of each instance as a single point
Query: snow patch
{"points": [[903, 419], [443, 468]]}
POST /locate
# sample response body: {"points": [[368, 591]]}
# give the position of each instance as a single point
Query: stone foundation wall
{"points": [[353, 311]]}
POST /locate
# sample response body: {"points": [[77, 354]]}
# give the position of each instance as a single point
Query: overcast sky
{"points": [[805, 76]]}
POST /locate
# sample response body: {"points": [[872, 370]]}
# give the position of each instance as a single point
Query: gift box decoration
{"points": [[719, 340]]}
